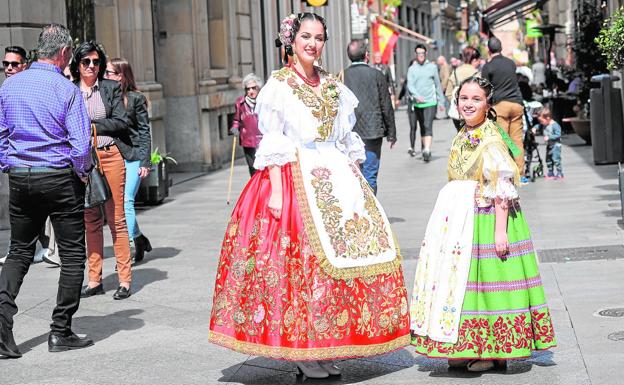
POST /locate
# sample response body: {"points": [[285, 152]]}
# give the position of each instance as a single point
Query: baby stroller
{"points": [[531, 152]]}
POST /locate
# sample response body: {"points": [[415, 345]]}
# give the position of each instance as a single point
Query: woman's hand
{"points": [[501, 243], [143, 172], [275, 204]]}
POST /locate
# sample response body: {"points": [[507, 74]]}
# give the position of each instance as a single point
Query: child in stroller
{"points": [[531, 152]]}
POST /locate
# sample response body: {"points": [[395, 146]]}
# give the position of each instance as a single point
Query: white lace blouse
{"points": [[291, 116]]}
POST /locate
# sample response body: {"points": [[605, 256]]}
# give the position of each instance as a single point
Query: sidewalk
{"points": [[159, 335]]}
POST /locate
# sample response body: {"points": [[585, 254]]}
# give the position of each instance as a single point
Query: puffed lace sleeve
{"points": [[500, 174], [348, 142], [275, 148]]}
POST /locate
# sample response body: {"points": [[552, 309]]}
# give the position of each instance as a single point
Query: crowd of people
{"points": [[69, 113], [309, 269]]}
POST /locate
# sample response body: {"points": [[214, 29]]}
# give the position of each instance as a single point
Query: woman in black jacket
{"points": [[104, 102], [137, 154]]}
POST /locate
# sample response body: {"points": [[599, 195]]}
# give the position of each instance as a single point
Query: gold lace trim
{"points": [[324, 108], [295, 354], [317, 247]]}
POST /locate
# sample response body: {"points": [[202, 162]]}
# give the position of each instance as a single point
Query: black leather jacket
{"points": [[139, 130]]}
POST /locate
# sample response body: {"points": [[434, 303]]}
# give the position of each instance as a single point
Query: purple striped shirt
{"points": [[43, 121]]}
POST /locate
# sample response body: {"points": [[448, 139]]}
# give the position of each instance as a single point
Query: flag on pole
{"points": [[384, 41]]}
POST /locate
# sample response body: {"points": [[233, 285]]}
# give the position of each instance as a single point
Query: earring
{"points": [[294, 59], [319, 60]]}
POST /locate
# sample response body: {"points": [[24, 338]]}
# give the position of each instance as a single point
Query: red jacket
{"points": [[246, 122]]}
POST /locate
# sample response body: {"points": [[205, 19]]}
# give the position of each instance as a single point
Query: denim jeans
{"points": [[133, 181], [553, 159], [32, 198], [370, 167]]}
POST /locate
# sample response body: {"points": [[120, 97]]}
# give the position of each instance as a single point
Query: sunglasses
{"points": [[87, 62], [109, 72], [13, 64], [255, 88]]}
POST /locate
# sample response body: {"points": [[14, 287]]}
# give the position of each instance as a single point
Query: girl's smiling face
{"points": [[472, 104]]}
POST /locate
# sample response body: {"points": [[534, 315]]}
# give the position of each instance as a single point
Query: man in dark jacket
{"points": [[375, 115]]}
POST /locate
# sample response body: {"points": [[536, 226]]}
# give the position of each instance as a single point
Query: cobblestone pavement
{"points": [[159, 335]]}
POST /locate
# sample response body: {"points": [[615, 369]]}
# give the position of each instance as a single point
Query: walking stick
{"points": [[231, 169]]}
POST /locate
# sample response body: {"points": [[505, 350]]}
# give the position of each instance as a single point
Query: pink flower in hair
{"points": [[286, 30]]}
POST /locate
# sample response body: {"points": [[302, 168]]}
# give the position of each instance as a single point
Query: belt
{"points": [[107, 146], [39, 170]]}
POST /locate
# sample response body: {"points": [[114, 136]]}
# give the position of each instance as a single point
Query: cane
{"points": [[231, 169]]}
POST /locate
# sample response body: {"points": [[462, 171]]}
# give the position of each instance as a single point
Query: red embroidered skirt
{"points": [[273, 299]]}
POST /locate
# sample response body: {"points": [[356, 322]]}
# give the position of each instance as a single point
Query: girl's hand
{"points": [[501, 243], [275, 205], [143, 172]]}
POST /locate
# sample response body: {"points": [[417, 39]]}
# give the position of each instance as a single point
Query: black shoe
{"points": [[121, 293], [91, 291], [60, 343], [141, 245], [8, 348], [426, 156]]}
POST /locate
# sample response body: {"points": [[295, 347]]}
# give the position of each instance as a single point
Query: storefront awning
{"points": [[508, 10], [406, 31]]}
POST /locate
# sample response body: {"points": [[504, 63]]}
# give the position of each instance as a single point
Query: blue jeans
{"points": [[553, 159], [132, 187], [370, 167]]}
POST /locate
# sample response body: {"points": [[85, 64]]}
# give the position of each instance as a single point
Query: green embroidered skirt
{"points": [[504, 312]]}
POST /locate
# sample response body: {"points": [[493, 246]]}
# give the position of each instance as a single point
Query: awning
{"points": [[415, 35], [508, 10]]}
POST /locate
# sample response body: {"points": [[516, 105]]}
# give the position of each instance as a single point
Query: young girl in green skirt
{"points": [[478, 298]]}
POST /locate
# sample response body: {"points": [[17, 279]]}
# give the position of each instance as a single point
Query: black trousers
{"points": [[422, 117], [250, 157], [32, 198]]}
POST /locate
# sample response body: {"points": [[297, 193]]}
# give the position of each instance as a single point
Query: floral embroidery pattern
{"points": [[359, 237], [286, 296], [449, 309], [495, 336], [324, 108]]}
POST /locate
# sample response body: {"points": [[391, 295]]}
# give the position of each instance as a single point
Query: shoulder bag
{"points": [[97, 190]]}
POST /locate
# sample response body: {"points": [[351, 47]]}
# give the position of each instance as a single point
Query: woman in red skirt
{"points": [[309, 269]]}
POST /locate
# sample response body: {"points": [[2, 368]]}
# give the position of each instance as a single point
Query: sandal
{"points": [[480, 365]]}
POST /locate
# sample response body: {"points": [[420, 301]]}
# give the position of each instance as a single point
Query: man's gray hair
{"points": [[356, 50], [252, 78], [52, 39]]}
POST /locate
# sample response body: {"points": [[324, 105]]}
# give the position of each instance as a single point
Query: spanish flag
{"points": [[384, 40]]}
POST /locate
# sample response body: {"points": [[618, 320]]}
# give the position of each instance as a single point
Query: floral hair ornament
{"points": [[286, 35]]}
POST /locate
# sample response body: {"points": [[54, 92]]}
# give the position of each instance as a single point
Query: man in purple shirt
{"points": [[45, 148]]}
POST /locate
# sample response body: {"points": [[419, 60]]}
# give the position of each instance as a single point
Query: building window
{"points": [[217, 33], [80, 19]]}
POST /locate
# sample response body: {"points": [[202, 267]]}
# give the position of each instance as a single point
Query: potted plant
{"points": [[155, 188]]}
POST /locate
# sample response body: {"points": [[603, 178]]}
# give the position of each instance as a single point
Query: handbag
{"points": [[97, 190]]}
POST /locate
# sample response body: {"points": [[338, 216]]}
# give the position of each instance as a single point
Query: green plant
{"points": [[158, 157], [611, 40]]}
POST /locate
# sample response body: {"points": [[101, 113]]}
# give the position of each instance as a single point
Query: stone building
{"points": [[189, 56]]}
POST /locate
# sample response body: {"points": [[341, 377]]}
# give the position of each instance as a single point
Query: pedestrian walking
{"points": [[501, 72], [105, 106], [423, 83], [374, 113], [309, 270], [135, 147], [245, 123], [444, 71], [386, 72], [44, 146], [478, 298], [469, 67]]}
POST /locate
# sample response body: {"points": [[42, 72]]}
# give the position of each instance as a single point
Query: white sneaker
{"points": [[52, 259], [311, 369], [330, 367], [3, 259]]}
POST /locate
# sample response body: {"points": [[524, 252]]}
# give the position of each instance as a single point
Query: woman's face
{"points": [[111, 73], [309, 41], [89, 66], [252, 89], [472, 104]]}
